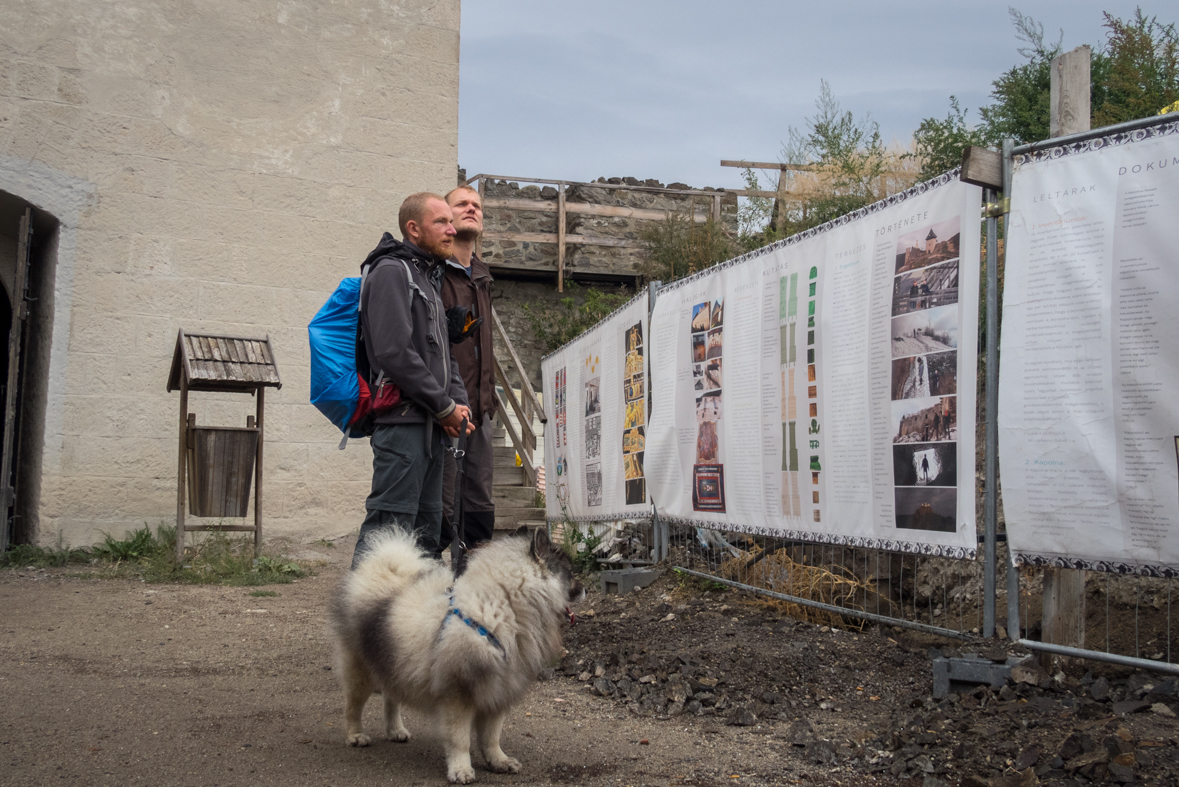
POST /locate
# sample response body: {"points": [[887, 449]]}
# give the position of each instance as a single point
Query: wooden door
{"points": [[20, 311]]}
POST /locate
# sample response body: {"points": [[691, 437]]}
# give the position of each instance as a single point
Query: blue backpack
{"points": [[340, 373]]}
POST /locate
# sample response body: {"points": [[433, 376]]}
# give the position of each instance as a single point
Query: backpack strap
{"points": [[413, 287]]}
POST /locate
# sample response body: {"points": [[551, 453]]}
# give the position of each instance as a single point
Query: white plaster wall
{"points": [[217, 167]]}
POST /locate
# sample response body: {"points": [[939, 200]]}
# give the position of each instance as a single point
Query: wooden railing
{"points": [[562, 208], [526, 407]]}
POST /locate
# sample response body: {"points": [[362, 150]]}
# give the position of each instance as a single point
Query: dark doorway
{"points": [[28, 244]]}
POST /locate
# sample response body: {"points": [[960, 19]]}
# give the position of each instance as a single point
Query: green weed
{"points": [[580, 546], [21, 555], [209, 558]]}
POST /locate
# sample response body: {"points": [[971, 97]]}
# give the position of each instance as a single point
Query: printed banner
{"points": [[813, 389], [1088, 416], [595, 389]]}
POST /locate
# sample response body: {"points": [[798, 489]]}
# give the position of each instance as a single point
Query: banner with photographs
{"points": [[1088, 417], [595, 391], [812, 389]]}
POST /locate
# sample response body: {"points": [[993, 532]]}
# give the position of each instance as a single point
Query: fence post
{"points": [[990, 462], [1064, 589]]}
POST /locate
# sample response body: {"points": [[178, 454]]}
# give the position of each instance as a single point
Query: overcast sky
{"points": [[666, 89]]}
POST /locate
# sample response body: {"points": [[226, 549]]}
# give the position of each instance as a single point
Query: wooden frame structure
{"points": [[563, 208], [526, 407], [205, 362]]}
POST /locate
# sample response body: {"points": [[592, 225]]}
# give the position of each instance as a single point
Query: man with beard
{"points": [[403, 329], [466, 287]]}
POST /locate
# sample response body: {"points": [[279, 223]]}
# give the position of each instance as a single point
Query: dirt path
{"points": [[118, 682]]}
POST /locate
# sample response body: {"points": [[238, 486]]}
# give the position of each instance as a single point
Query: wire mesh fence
{"points": [[836, 584], [1126, 616]]}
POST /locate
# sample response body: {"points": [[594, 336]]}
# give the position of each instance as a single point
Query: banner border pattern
{"points": [[643, 517], [1085, 564], [867, 210], [908, 547], [1164, 129]]}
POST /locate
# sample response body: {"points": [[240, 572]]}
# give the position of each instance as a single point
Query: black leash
{"points": [[458, 548]]}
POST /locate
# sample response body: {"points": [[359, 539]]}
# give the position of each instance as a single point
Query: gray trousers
{"points": [[478, 473], [407, 486]]}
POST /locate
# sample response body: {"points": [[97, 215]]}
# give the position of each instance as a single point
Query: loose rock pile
{"points": [[861, 702]]}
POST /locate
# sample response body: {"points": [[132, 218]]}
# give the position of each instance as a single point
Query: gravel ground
{"points": [[118, 682]]}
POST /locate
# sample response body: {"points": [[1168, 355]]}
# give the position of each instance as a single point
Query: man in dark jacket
{"points": [[467, 283], [403, 325]]}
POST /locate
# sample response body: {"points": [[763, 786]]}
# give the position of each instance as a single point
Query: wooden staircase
{"points": [[514, 491], [515, 498]]}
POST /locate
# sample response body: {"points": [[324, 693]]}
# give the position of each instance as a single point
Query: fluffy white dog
{"points": [[466, 648]]}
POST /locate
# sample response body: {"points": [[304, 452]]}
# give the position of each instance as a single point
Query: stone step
{"points": [[508, 476], [512, 517], [500, 532], [509, 495]]}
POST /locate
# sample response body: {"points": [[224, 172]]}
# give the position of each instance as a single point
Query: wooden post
{"points": [[560, 237], [20, 310], [1069, 93], [780, 225], [1063, 615], [258, 421], [180, 468]]}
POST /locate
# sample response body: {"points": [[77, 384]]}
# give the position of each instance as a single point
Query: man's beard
{"points": [[440, 250], [466, 235]]}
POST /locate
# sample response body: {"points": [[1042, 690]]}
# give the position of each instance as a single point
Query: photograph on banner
{"points": [[595, 391], [635, 422], [825, 404], [708, 471], [922, 376], [926, 288], [1090, 354], [925, 331]]}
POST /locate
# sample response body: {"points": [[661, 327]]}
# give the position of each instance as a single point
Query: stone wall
{"points": [[587, 262], [525, 271], [212, 167]]}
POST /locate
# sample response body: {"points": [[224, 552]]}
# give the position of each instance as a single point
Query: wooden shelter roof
{"points": [[222, 363]]}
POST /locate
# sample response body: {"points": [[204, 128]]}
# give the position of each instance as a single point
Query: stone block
{"points": [[117, 457], [952, 675], [625, 580], [237, 303], [34, 81], [144, 175], [197, 260], [93, 331]]}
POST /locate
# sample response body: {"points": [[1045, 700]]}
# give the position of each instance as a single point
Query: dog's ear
{"points": [[522, 530], [540, 543]]}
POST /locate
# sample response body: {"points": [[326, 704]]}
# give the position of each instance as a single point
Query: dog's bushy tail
{"points": [[393, 561]]}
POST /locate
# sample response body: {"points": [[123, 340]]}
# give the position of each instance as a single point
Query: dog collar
{"points": [[477, 626]]}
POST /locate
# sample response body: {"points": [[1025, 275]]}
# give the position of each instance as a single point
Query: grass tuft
{"points": [[212, 558]]}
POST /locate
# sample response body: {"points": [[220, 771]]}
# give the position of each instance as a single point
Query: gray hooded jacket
{"points": [[404, 326]]}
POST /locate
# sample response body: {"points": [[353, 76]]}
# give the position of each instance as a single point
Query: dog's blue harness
{"points": [[479, 627]]}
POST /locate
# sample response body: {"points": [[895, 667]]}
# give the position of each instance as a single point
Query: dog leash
{"points": [[476, 625], [458, 547]]}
